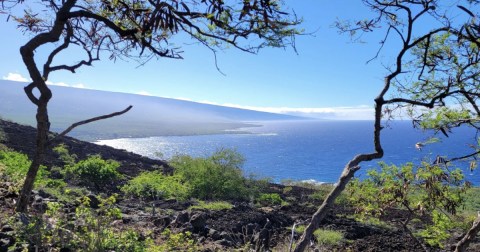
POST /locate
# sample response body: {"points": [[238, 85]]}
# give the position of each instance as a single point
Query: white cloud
{"points": [[183, 99], [361, 112], [15, 77], [79, 85], [62, 84], [19, 77], [143, 92]]}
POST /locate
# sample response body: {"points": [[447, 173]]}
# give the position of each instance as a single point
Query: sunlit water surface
{"points": [[309, 150]]}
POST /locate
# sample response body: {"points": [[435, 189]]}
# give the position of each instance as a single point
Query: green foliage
{"points": [[3, 136], [444, 117], [214, 205], [328, 237], [64, 155], [216, 177], [92, 230], [157, 185], [437, 233], [299, 229], [472, 201], [270, 199], [94, 171], [418, 190], [15, 165], [176, 242]]}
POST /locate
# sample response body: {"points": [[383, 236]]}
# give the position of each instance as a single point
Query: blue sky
{"points": [[329, 73]]}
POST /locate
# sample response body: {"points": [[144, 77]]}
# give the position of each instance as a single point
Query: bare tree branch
{"points": [[462, 245], [66, 131]]}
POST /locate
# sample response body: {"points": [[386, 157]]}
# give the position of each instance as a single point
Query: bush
{"points": [[328, 237], [64, 155], [156, 185], [216, 177], [94, 171], [215, 205], [424, 191], [270, 199], [15, 165]]}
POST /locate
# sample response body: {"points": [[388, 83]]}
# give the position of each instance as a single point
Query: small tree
{"points": [[434, 78], [139, 29], [435, 191]]}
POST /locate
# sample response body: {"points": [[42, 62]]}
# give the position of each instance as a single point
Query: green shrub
{"points": [[328, 237], [64, 155], [156, 185], [176, 242], [3, 136], [15, 165], [431, 190], [270, 199], [95, 171], [215, 205], [216, 177]]}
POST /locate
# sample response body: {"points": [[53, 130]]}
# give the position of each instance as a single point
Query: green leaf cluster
{"points": [[155, 185], [216, 177], [270, 199], [15, 165], [433, 191], [328, 237], [94, 171]]}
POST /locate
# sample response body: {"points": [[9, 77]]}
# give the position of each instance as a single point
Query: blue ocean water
{"points": [[310, 150]]}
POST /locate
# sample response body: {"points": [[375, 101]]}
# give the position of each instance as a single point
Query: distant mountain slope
{"points": [[150, 116]]}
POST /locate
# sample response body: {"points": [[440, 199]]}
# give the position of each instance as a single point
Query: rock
{"points": [[44, 194], [94, 202], [126, 218], [261, 239], [198, 221], [214, 234], [250, 228], [6, 228], [6, 241], [162, 221], [11, 194], [181, 218], [225, 243], [226, 236], [37, 199], [186, 227]]}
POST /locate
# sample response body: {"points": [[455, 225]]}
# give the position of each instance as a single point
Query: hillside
{"points": [[170, 224], [150, 116]]}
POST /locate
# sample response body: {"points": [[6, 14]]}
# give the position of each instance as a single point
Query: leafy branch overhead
{"points": [[144, 29], [134, 29], [437, 68], [433, 78]]}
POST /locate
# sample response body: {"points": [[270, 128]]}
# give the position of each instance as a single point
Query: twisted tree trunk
{"points": [[43, 126], [38, 82]]}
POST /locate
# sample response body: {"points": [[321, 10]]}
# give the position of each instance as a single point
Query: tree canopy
{"points": [[138, 29], [434, 77]]}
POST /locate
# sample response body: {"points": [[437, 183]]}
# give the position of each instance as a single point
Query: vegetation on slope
{"points": [[70, 216]]}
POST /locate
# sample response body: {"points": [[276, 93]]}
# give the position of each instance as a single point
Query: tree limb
{"points": [[469, 236], [62, 134]]}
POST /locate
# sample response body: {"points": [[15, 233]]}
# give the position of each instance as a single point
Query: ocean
{"points": [[310, 150]]}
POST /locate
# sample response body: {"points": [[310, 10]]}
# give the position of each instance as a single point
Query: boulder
{"points": [[198, 221]]}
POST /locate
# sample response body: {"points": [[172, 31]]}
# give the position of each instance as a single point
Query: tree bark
{"points": [[462, 245], [43, 126], [346, 176]]}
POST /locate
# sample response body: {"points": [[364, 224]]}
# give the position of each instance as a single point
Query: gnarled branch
{"points": [[66, 131]]}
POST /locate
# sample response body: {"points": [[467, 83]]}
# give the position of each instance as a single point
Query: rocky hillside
{"points": [[242, 226]]}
